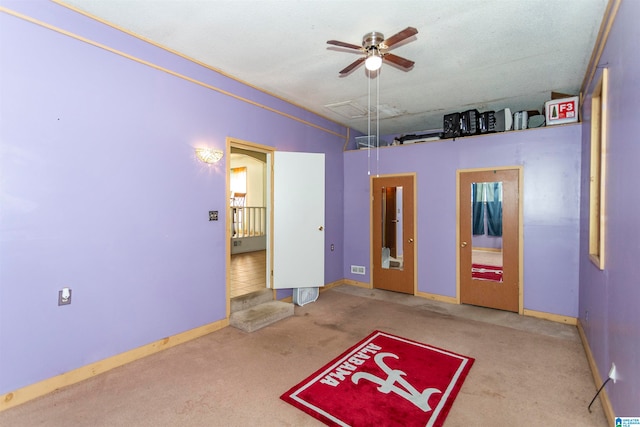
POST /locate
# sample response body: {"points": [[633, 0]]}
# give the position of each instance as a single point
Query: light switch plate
{"points": [[64, 301]]}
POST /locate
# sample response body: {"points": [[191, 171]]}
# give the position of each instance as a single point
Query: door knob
{"points": [[321, 228], [463, 244], [410, 240]]}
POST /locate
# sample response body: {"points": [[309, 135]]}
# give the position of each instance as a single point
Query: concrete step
{"points": [[244, 302], [261, 315]]}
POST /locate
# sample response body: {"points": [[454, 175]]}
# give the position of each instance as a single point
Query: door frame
{"points": [[413, 176], [250, 146], [520, 170]]}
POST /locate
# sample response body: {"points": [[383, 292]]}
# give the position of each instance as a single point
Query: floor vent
{"points": [[302, 296]]}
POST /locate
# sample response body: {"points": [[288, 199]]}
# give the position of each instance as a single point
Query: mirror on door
{"points": [[392, 248], [486, 225]]}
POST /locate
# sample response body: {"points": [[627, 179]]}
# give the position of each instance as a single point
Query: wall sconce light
{"points": [[209, 155]]}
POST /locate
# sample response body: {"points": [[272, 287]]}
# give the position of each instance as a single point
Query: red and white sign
{"points": [[562, 111], [384, 380]]}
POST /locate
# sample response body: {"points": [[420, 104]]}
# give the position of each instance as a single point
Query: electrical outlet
{"points": [[213, 215], [64, 296]]}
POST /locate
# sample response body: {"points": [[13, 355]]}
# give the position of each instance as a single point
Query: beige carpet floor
{"points": [[528, 372]]}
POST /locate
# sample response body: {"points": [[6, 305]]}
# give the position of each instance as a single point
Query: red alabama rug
{"points": [[486, 272], [384, 380]]}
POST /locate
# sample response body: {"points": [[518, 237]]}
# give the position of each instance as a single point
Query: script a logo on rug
{"points": [[421, 400], [385, 385], [384, 380]]}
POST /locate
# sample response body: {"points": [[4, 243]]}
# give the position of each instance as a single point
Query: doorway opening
{"points": [[248, 217], [282, 227], [489, 234]]}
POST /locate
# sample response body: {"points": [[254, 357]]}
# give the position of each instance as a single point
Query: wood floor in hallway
{"points": [[248, 272]]}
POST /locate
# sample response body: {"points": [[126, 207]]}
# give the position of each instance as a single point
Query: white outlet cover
{"points": [[613, 374]]}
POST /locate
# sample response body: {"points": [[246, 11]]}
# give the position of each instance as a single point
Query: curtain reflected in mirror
{"points": [[486, 221], [392, 248]]}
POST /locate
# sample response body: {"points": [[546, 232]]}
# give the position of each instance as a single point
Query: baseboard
{"points": [[550, 316], [49, 385], [487, 249], [436, 297], [597, 379], [356, 283], [332, 285]]}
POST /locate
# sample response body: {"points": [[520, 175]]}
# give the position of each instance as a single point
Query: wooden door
{"points": [[392, 231], [482, 287]]}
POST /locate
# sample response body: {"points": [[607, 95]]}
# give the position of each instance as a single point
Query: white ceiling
{"points": [[483, 54]]}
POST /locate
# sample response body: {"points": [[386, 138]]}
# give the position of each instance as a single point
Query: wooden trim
{"points": [[594, 175], [436, 297], [497, 168], [521, 235], [558, 318], [371, 177], [346, 140], [358, 284], [605, 28], [250, 146], [415, 233], [597, 379], [393, 175], [458, 278], [166, 70], [269, 199], [49, 385], [227, 226], [487, 249], [328, 286], [195, 61], [598, 162], [604, 142]]}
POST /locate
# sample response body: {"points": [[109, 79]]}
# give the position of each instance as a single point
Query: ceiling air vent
{"points": [[348, 109]]}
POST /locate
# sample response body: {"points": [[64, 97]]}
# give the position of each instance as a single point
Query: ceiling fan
{"points": [[375, 48]]}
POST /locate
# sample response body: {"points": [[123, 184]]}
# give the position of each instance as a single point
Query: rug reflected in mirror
{"points": [[486, 272], [383, 380]]}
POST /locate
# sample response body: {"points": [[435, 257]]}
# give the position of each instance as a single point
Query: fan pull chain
{"points": [[368, 122], [378, 122]]}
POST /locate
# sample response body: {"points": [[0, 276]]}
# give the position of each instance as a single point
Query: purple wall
{"points": [[101, 191], [485, 240], [609, 299], [551, 160]]}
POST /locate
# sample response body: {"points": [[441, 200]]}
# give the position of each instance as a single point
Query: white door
{"points": [[298, 220]]}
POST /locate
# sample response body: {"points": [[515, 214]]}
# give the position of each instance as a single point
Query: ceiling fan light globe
{"points": [[373, 62]]}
